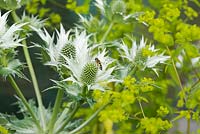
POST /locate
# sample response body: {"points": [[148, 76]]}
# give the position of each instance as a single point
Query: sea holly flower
{"points": [[9, 37], [32, 21], [73, 52], [91, 23], [85, 70], [181, 58], [142, 55], [12, 4], [115, 11], [55, 50]]}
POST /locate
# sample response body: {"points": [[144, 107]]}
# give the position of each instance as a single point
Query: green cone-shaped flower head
{"points": [[69, 51], [118, 6], [89, 73], [140, 59]]}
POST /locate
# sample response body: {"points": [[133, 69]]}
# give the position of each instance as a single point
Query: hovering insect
{"points": [[98, 63]]}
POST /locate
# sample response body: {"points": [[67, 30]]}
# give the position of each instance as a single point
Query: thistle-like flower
{"points": [[12, 4], [115, 11], [8, 41], [73, 52], [91, 23], [8, 35], [142, 55], [33, 21], [85, 69], [55, 50]]}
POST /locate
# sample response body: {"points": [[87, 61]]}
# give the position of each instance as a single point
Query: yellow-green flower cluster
{"points": [[190, 12], [119, 104], [187, 33], [168, 26], [162, 111], [154, 125], [144, 85]]}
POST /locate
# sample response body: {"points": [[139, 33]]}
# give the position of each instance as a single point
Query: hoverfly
{"points": [[98, 63]]}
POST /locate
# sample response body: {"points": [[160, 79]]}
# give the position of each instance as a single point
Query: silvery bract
{"points": [[136, 54], [8, 35], [33, 21], [115, 10], [54, 50]]}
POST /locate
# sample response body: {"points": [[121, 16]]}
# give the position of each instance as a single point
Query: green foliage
{"points": [[9, 65], [126, 96]]}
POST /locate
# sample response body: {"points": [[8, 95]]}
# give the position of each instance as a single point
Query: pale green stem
{"points": [[35, 84], [15, 17], [55, 110], [107, 32], [70, 116], [176, 72], [23, 99], [33, 77], [87, 121], [141, 109]]}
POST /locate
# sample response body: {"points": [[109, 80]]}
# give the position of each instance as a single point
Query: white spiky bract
{"points": [[151, 61], [80, 41], [8, 35], [33, 21], [54, 49], [101, 5]]}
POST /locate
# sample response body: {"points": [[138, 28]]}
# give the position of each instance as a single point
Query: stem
{"points": [[87, 121], [55, 110], [19, 93], [35, 84], [69, 117], [133, 70], [107, 32], [188, 126], [33, 77], [15, 17], [141, 109], [176, 72]]}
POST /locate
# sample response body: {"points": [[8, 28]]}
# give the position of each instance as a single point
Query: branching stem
{"points": [[33, 77], [23, 99]]}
